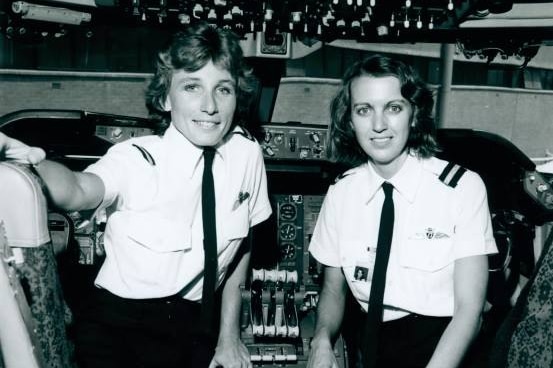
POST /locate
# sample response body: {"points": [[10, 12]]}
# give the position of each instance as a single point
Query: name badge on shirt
{"points": [[364, 266]]}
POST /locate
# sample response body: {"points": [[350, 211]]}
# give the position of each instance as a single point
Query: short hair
{"points": [[343, 147], [190, 50]]}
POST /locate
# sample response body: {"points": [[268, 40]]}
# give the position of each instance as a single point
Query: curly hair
{"points": [[344, 148], [190, 50]]}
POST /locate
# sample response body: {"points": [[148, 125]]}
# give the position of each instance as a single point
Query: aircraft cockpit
{"points": [[72, 80]]}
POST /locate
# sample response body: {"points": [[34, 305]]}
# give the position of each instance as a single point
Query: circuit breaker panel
{"points": [[279, 302]]}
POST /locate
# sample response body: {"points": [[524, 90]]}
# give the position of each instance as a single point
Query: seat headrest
{"points": [[23, 206]]}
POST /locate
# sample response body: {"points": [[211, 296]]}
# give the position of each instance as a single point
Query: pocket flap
{"points": [[158, 234], [427, 255], [237, 223], [351, 252]]}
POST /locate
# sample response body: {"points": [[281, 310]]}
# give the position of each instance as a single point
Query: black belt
{"points": [[162, 300], [408, 316], [417, 316]]}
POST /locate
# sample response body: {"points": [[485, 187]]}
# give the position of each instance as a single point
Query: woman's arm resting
{"points": [[330, 311], [66, 189], [230, 351], [470, 284], [69, 190]]}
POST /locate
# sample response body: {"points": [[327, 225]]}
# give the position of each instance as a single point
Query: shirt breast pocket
{"points": [[357, 266], [159, 235], [356, 257], [237, 223], [429, 255]]}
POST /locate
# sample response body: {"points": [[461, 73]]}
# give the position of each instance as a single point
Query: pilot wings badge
{"points": [[430, 234]]}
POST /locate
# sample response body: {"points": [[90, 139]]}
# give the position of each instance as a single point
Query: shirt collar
{"points": [[374, 182], [180, 147], [406, 181]]}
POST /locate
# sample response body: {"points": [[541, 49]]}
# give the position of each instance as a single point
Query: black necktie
{"points": [[374, 315], [210, 240]]}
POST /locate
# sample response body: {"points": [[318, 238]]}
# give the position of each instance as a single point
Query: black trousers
{"points": [[114, 332], [408, 342]]}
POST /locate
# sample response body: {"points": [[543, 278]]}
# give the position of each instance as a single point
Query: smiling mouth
{"points": [[381, 140], [206, 124]]}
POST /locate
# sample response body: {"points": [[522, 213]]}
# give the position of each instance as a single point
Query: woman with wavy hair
{"points": [[418, 226]]}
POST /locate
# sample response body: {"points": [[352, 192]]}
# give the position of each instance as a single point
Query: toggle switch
{"points": [[292, 144], [267, 136], [315, 137], [212, 15], [117, 133], [198, 11], [279, 138], [268, 151]]}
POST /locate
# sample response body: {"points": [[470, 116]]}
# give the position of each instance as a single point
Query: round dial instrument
{"points": [[287, 232], [287, 251], [288, 212]]}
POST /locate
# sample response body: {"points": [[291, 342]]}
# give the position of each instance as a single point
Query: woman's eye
{"points": [[395, 108], [225, 91], [191, 87], [362, 111]]}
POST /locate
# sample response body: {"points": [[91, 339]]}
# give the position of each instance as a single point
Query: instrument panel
{"points": [[279, 302], [280, 299], [293, 141]]}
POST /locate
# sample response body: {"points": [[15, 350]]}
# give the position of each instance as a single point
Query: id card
{"points": [[364, 267]]}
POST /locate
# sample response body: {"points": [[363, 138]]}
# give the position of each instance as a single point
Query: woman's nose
{"points": [[379, 122], [209, 104]]}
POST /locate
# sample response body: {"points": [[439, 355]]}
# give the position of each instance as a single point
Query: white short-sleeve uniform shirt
{"points": [[434, 225], [154, 233]]}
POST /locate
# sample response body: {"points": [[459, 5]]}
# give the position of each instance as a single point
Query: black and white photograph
{"points": [[194, 183]]}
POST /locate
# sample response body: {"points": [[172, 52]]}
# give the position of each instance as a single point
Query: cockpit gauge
{"points": [[287, 232], [288, 212], [288, 251]]}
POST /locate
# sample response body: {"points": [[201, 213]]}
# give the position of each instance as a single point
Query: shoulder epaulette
{"points": [[147, 156], [341, 176], [451, 174], [244, 133]]}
